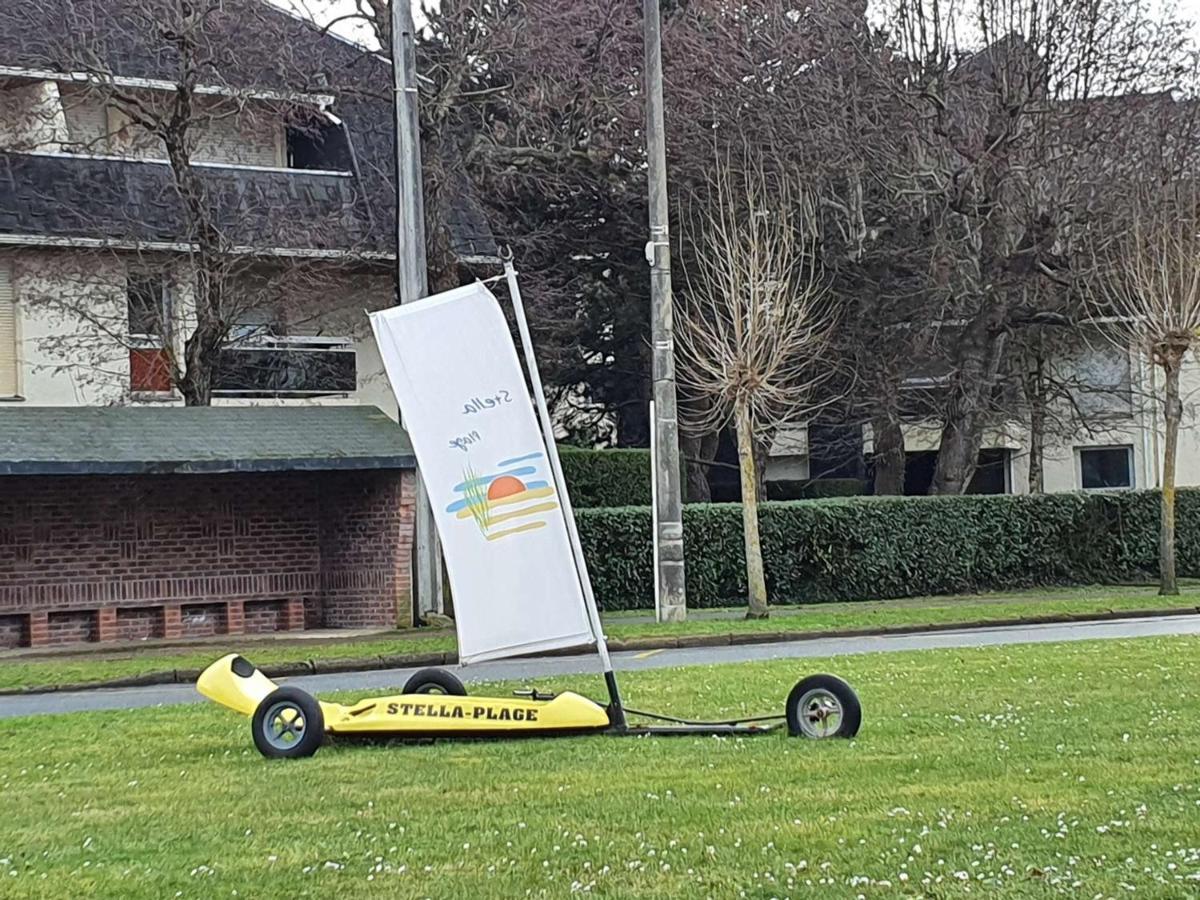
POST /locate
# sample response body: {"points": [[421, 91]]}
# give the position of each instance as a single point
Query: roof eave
{"points": [[205, 467]]}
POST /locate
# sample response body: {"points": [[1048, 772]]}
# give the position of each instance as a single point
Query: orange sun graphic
{"points": [[505, 486]]}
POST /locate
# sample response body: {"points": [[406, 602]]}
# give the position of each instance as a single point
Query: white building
{"points": [[96, 273], [1105, 433]]}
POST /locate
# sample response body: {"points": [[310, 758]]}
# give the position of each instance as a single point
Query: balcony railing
{"points": [[287, 367]]}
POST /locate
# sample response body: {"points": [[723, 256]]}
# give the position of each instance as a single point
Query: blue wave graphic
{"points": [[504, 463]]}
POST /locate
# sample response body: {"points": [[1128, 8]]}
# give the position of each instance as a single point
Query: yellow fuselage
{"points": [[437, 714], [412, 714]]}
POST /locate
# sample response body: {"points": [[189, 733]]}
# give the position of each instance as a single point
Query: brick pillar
{"points": [[294, 614], [39, 629], [106, 623], [172, 622], [235, 617]]}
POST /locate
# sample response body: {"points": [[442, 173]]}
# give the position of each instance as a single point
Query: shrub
{"points": [[600, 478], [874, 548]]}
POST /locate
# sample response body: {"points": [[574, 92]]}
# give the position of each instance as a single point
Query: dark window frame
{"points": [[1087, 468]]}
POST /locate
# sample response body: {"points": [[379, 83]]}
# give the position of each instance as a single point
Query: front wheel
{"points": [[823, 706], [288, 724]]}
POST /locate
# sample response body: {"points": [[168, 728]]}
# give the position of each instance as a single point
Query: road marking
{"points": [[649, 653]]}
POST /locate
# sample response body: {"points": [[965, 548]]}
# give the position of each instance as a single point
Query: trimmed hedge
{"points": [[618, 477], [874, 548]]}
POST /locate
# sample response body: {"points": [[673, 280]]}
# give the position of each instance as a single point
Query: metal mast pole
{"points": [[668, 498], [616, 709], [410, 265]]}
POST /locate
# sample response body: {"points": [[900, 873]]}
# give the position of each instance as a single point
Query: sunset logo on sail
{"points": [[510, 500]]}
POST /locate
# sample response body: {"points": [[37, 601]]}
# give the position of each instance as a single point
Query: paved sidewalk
{"points": [[530, 670]]}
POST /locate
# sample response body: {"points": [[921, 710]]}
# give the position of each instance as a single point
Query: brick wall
{"points": [[14, 631], [366, 549], [108, 558], [139, 623], [265, 615], [72, 626]]}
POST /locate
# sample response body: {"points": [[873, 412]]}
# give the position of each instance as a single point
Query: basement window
{"points": [[1105, 468]]}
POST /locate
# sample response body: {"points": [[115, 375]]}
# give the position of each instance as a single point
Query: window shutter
{"points": [[8, 334]]}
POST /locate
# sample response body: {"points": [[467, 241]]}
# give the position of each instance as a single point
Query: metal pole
{"points": [[411, 278], [617, 710], [668, 500]]}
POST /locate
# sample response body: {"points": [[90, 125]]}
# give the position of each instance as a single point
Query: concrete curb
{"points": [[422, 660]]}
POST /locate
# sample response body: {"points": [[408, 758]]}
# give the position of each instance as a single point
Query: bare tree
{"points": [[1147, 282], [755, 322], [1006, 134]]}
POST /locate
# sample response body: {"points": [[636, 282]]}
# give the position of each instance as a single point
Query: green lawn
{"points": [[1034, 771], [16, 672]]}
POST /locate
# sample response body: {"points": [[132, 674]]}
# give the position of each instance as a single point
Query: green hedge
{"points": [[607, 477], [874, 548]]}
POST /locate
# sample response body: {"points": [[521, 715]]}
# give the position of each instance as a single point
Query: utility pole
{"points": [[412, 279], [668, 499]]}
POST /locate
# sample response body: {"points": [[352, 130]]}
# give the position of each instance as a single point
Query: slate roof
{"points": [[260, 47], [138, 440]]}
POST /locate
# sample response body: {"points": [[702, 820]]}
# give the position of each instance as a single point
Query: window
{"points": [[8, 334], [318, 145], [1105, 467], [1104, 386], [147, 307], [991, 472]]}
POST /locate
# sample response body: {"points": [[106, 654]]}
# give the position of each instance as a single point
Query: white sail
{"points": [[464, 402]]}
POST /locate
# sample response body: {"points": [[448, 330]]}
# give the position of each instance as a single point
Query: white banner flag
{"points": [[463, 400]]}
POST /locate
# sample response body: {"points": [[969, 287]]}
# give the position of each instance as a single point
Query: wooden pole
{"points": [[670, 576], [412, 278]]}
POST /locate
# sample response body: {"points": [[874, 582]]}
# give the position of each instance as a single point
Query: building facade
{"points": [[1103, 430], [110, 247]]}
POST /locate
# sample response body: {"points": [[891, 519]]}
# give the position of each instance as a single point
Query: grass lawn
{"points": [[20, 671], [1031, 771]]}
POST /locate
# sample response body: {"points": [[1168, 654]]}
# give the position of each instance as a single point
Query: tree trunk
{"points": [[1166, 533], [762, 450], [977, 364], [889, 456], [698, 453], [1035, 391], [755, 579]]}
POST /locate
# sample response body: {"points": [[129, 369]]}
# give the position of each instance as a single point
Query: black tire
{"points": [[282, 738], [434, 681], [815, 700]]}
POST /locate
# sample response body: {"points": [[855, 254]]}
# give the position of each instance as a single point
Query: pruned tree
{"points": [[755, 321], [1147, 286]]}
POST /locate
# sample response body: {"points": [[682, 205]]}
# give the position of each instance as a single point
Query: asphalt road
{"points": [[522, 669]]}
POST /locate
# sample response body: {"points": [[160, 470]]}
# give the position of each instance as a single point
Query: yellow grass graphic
{"points": [[528, 526]]}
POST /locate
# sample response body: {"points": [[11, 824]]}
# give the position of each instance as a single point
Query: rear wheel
{"points": [[434, 681], [823, 706], [288, 724]]}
